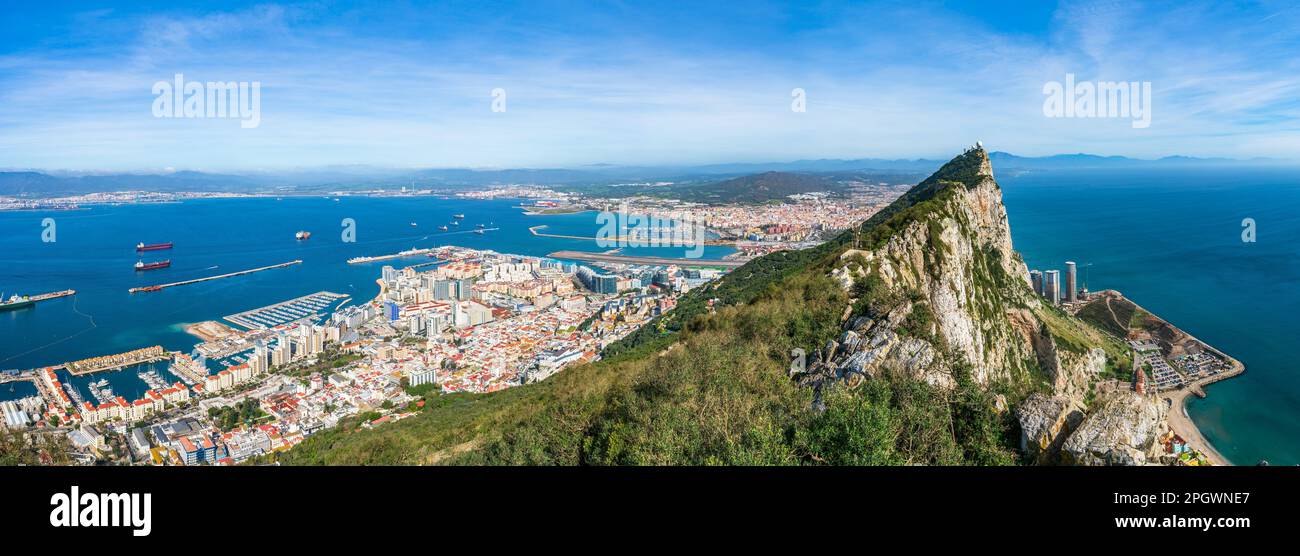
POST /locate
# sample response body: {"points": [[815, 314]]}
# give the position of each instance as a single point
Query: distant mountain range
{"points": [[31, 183]]}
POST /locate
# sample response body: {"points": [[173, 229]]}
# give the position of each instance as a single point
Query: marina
{"points": [[285, 312], [218, 277]]}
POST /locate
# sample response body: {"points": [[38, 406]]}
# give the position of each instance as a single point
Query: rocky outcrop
{"points": [[1122, 428], [1045, 423], [937, 286], [949, 279]]}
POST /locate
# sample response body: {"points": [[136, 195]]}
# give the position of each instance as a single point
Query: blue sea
{"points": [[94, 253], [1171, 240]]}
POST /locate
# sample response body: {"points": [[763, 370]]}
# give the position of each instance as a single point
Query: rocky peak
{"points": [[937, 292]]}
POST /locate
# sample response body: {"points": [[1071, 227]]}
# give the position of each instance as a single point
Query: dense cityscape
{"points": [[473, 321]]}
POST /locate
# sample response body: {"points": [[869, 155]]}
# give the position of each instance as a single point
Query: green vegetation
{"points": [[242, 413], [329, 360], [1113, 316], [683, 405], [19, 448]]}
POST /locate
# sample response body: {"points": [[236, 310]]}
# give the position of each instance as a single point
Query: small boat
{"points": [[413, 224], [455, 222], [479, 231], [443, 228], [457, 216], [302, 235], [481, 226]]}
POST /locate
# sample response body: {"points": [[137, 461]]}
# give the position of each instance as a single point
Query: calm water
{"points": [[95, 251], [1171, 241]]}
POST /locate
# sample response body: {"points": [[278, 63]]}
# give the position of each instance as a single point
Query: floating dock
{"points": [[218, 277]]}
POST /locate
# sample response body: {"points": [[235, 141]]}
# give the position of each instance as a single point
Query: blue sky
{"points": [[408, 84]]}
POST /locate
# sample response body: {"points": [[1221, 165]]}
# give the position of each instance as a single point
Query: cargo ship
{"points": [[15, 303], [141, 265], [152, 246], [302, 235]]}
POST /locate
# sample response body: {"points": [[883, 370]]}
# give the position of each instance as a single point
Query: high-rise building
{"points": [[596, 282], [464, 289], [1052, 286], [442, 289], [1071, 287], [389, 275], [1036, 278], [391, 310]]}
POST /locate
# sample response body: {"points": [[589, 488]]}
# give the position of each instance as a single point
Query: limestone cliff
{"points": [[937, 290]]}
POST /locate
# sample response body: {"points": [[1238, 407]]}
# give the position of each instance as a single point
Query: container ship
{"points": [[302, 235], [152, 246], [141, 265]]}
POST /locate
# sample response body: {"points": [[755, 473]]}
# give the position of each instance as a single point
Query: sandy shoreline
{"points": [[1184, 427]]}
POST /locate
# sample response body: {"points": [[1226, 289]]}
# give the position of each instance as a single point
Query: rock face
{"points": [[1045, 422], [950, 261], [1122, 429], [936, 287]]}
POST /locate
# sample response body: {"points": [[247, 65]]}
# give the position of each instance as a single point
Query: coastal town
{"points": [[472, 321]]}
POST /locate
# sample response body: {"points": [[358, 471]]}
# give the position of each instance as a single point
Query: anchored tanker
{"points": [[15, 302], [152, 246], [141, 265]]}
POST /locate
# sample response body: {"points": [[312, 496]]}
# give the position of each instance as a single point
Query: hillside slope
{"points": [[926, 346]]}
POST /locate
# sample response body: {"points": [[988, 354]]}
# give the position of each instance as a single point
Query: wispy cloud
{"points": [[409, 86]]}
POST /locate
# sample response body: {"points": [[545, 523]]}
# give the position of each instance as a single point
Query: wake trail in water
{"points": [[93, 325]]}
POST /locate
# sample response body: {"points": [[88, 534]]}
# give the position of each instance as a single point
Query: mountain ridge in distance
{"points": [[37, 183]]}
